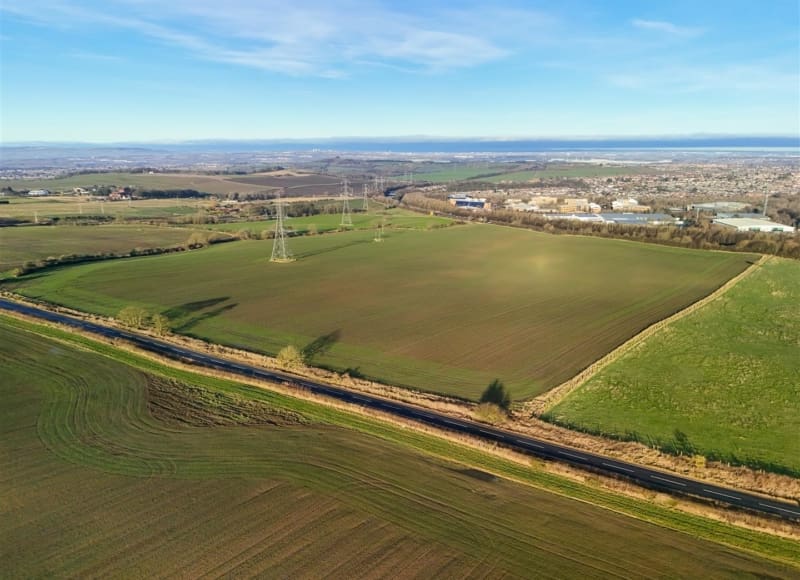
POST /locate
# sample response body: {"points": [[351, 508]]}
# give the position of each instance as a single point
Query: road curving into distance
{"points": [[644, 476]]}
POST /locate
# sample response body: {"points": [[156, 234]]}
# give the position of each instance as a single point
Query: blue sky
{"points": [[147, 70]]}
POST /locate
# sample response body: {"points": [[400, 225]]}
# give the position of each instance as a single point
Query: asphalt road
{"points": [[644, 476]]}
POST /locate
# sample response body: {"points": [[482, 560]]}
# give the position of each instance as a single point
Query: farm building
{"points": [[38, 192], [754, 225]]}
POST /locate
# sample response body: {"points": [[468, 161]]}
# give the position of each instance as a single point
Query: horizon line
{"points": [[412, 138]]}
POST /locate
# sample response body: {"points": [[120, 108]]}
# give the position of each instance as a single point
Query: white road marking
{"points": [[528, 444], [571, 455], [722, 494], [485, 432], [618, 467], [782, 509], [451, 422], [668, 480]]}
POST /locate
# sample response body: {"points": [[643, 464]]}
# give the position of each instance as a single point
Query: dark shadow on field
{"points": [[188, 315], [321, 345], [190, 307], [332, 248], [477, 474]]}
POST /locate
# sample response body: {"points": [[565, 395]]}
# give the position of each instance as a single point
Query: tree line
{"points": [[699, 236]]}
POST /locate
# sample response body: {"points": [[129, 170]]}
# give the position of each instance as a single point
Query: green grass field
{"points": [[466, 173], [445, 310], [321, 223], [20, 244], [458, 173], [69, 206], [164, 181], [728, 376], [570, 171], [111, 471]]}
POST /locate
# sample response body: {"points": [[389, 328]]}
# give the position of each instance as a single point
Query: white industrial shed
{"points": [[753, 225]]}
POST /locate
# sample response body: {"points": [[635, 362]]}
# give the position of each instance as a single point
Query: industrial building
{"points": [[754, 225], [718, 206], [631, 219], [469, 202]]}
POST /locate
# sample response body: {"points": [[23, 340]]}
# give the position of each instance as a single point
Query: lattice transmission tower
{"points": [[379, 232], [280, 247], [366, 198], [347, 218]]}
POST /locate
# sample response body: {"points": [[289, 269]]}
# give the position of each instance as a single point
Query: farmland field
{"points": [[60, 207], [728, 376], [496, 173], [325, 222], [570, 171], [111, 471], [303, 184], [205, 183], [445, 310], [458, 173], [20, 244]]}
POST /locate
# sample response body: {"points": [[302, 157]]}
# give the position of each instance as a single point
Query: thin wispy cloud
{"points": [[302, 38], [665, 27]]}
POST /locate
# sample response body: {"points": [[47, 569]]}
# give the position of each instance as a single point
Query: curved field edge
{"points": [[444, 311], [721, 382], [776, 548]]}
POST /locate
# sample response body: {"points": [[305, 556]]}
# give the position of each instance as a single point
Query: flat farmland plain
{"points": [[74, 206], [24, 243], [445, 310], [206, 183], [727, 376], [327, 222], [571, 171], [110, 471], [302, 184]]}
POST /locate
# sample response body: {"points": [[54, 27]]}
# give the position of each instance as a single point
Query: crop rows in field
{"points": [[99, 486], [43, 208], [444, 310], [31, 243], [142, 181]]}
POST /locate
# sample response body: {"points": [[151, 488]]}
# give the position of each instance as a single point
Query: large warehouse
{"points": [[753, 225]]}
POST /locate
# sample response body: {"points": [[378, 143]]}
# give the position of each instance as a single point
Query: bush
{"points": [[160, 324], [290, 357], [133, 316], [490, 413]]}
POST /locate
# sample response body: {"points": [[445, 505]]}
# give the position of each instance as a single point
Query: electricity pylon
{"points": [[379, 232], [280, 249], [347, 219], [366, 199]]}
